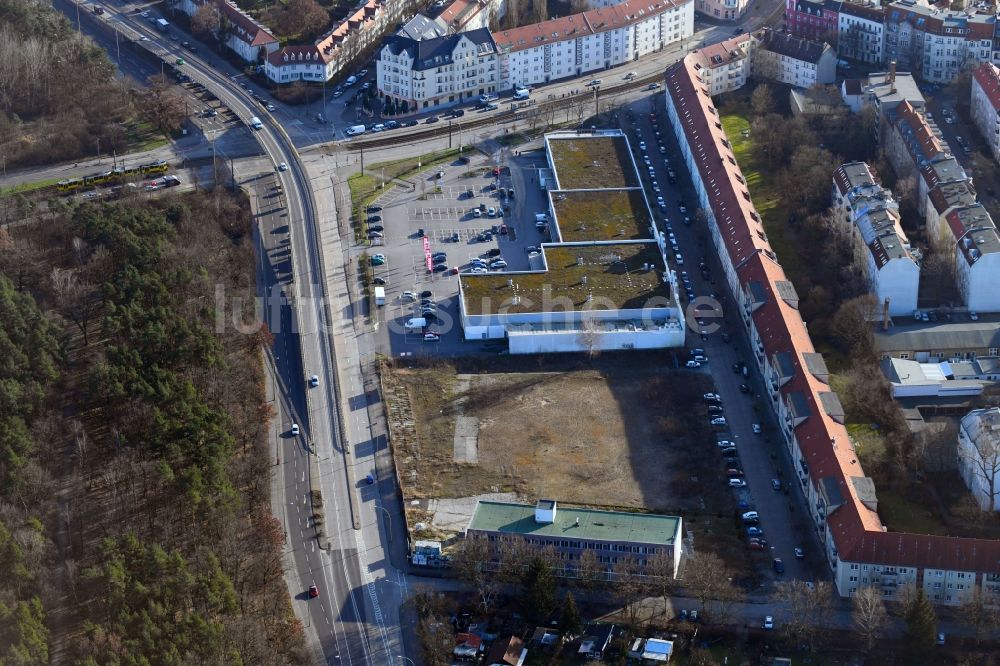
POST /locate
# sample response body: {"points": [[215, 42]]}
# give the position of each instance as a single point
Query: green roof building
{"points": [[613, 536]]}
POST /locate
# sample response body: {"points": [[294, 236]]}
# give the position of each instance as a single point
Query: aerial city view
{"points": [[500, 332]]}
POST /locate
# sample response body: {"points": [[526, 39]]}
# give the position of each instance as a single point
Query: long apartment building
{"points": [[841, 501], [880, 244], [590, 41], [934, 42], [984, 105]]}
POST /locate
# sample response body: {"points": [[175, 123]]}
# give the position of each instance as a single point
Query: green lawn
{"points": [[23, 188], [902, 515], [766, 194]]}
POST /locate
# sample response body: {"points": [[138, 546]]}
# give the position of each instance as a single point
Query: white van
{"points": [[354, 130], [255, 123], [379, 295], [522, 93], [351, 80], [415, 324]]}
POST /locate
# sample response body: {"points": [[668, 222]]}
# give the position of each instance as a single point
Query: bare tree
{"points": [[810, 607], [661, 571], [869, 614], [762, 100], [705, 575], [981, 460], [589, 569], [980, 614], [74, 299], [206, 20], [162, 106], [472, 563], [631, 586]]}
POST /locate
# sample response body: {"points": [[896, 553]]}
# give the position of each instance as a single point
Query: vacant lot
{"points": [[601, 436], [625, 432]]}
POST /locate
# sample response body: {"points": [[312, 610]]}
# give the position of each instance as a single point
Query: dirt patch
{"points": [[604, 436]]}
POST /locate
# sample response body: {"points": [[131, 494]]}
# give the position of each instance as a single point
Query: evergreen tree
{"points": [[540, 590], [921, 628], [569, 621]]}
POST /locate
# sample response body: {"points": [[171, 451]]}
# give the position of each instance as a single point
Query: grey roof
{"points": [[422, 27], [890, 94], [831, 489], [430, 53], [946, 170], [816, 364], [976, 233], [939, 336], [791, 46], [853, 175], [786, 291], [947, 195], [832, 406], [880, 230], [865, 488], [798, 405], [786, 363]]}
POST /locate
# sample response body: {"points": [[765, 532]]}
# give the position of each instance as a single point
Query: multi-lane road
{"points": [[339, 553]]}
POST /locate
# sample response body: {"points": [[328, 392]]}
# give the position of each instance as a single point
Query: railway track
{"points": [[554, 105]]}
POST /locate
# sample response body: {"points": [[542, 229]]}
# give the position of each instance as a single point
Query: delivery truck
{"points": [[379, 295]]}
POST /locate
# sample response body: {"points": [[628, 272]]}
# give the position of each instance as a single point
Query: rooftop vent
{"points": [[545, 512]]}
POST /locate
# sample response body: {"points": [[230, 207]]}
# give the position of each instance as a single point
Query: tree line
{"points": [[59, 95], [137, 457]]}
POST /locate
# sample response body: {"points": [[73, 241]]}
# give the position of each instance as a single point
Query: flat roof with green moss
{"points": [[592, 162], [577, 524], [601, 215], [614, 275]]}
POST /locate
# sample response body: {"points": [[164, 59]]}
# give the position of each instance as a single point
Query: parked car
{"points": [[768, 623], [711, 396], [799, 554], [756, 428], [779, 566], [776, 484], [692, 364], [718, 420], [378, 259], [737, 483]]}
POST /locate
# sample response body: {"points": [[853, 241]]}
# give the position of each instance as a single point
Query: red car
{"points": [[313, 591]]}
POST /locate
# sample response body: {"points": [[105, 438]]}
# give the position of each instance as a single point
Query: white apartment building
{"points": [[795, 61], [727, 10], [979, 456], [248, 39], [977, 257], [937, 45], [985, 105], [881, 245], [860, 32], [432, 73], [591, 41], [725, 66]]}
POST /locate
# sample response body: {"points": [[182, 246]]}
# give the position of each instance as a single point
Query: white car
{"points": [[725, 443], [314, 381], [282, 167], [974, 316], [737, 483], [768, 622], [295, 429], [692, 364], [718, 420], [756, 428], [479, 269], [711, 396], [431, 337], [751, 515], [408, 296], [271, 107]]}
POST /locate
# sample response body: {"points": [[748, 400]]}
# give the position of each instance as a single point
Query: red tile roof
{"points": [[247, 29], [988, 78], [585, 23], [823, 441]]}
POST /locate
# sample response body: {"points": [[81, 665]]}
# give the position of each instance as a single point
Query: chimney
{"points": [[545, 512], [885, 315], [892, 72]]}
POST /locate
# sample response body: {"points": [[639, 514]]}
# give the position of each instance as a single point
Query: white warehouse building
{"points": [[881, 245], [602, 281]]}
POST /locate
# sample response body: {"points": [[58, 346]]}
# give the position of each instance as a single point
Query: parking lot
{"points": [[752, 454], [446, 210]]}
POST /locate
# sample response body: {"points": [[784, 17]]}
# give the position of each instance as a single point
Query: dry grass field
{"points": [[601, 436]]}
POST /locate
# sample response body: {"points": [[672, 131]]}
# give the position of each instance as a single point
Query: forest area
{"points": [[135, 525], [59, 96]]}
